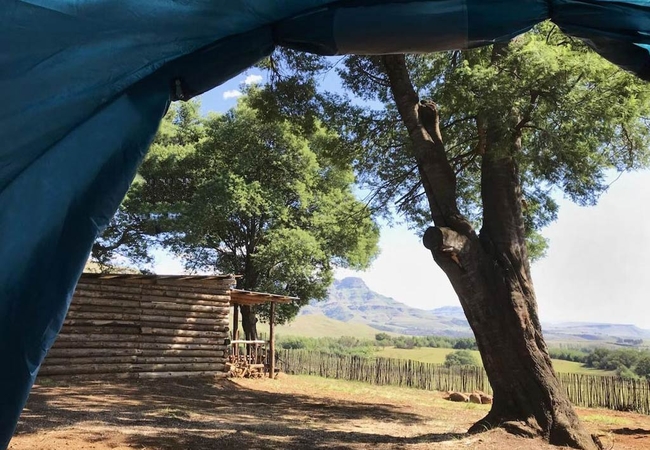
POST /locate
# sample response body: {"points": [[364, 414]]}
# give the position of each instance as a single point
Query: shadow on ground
{"points": [[203, 414], [631, 431]]}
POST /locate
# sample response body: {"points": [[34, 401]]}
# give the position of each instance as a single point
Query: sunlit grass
{"points": [[326, 386], [318, 325], [173, 413], [600, 419], [422, 354], [437, 356], [561, 366]]}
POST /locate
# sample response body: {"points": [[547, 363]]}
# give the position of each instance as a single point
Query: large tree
{"points": [[512, 125], [135, 229], [253, 195]]}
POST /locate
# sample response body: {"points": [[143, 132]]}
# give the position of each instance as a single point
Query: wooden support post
{"points": [[272, 342], [235, 322], [235, 325]]}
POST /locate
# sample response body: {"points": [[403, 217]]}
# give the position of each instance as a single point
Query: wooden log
{"points": [[92, 315], [175, 332], [235, 322], [155, 307], [272, 342], [79, 302], [73, 341], [82, 324], [75, 310], [146, 375], [217, 321], [112, 368], [108, 351], [216, 375], [160, 281], [90, 325], [225, 283], [92, 302], [86, 314], [212, 346], [106, 307], [109, 330], [136, 359], [162, 291], [220, 300], [152, 338], [82, 295], [190, 308]]}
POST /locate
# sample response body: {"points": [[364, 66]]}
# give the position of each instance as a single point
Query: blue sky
{"points": [[597, 268]]}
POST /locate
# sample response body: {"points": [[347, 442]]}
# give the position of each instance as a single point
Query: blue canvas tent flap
{"points": [[618, 30], [85, 83]]}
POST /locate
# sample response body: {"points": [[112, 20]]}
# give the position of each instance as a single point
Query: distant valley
{"points": [[351, 304]]}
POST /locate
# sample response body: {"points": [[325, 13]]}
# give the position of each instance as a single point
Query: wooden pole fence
{"points": [[583, 390]]}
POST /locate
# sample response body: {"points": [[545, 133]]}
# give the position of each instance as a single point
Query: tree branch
{"points": [[380, 81], [437, 175], [456, 121]]}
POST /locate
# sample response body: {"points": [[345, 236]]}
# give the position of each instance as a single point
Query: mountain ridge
{"points": [[350, 300]]}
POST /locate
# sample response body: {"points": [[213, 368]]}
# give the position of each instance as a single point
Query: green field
{"points": [[437, 356], [318, 325]]}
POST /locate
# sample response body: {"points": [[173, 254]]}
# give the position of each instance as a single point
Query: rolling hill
{"points": [[353, 309], [351, 301], [318, 325]]}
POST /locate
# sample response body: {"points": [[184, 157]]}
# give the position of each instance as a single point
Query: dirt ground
{"points": [[289, 413]]}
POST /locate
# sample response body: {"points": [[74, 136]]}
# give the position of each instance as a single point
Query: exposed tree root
{"points": [[560, 435]]}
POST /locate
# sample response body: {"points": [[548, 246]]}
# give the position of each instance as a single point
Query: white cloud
{"points": [[231, 94], [253, 79]]}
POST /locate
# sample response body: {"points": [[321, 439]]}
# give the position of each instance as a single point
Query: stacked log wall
{"points": [[143, 328]]}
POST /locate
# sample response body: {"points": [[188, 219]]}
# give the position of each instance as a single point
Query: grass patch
{"points": [[605, 420], [53, 382], [327, 386], [437, 356], [422, 354], [562, 366], [318, 325], [173, 413], [46, 382]]}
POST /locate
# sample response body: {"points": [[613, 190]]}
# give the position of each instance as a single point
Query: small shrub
{"points": [[626, 372], [642, 368], [292, 343], [460, 358], [380, 337]]}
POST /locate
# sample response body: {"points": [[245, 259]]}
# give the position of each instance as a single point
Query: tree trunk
{"points": [[490, 273], [248, 282], [249, 322]]}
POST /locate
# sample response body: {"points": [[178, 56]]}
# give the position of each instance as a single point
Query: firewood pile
{"points": [[243, 369], [247, 359]]}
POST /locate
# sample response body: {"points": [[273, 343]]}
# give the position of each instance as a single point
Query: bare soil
{"points": [[289, 413]]}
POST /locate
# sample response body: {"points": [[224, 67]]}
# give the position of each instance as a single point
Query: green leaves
{"points": [[460, 358], [251, 193], [577, 117]]}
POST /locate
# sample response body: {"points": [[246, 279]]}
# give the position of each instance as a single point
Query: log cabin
{"points": [[151, 326]]}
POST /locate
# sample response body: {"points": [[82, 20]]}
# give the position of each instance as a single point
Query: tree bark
{"points": [[490, 273], [249, 322], [248, 282]]}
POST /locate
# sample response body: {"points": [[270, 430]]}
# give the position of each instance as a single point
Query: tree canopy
{"points": [[579, 116], [248, 194], [474, 146]]}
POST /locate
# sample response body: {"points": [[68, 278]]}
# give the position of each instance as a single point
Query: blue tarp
{"points": [[84, 84]]}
